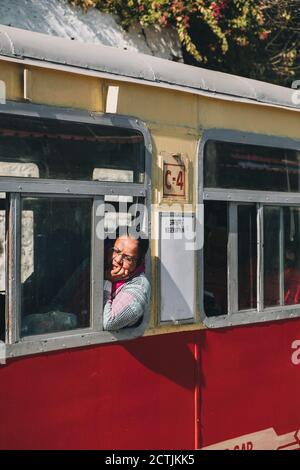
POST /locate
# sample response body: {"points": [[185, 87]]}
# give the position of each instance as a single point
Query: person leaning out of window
{"points": [[126, 288]]}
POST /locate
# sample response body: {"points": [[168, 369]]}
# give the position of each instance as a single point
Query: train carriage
{"points": [[207, 165]]}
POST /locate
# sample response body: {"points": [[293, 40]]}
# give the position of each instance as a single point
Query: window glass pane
{"points": [[215, 258], [247, 257], [55, 264], [241, 166], [69, 150], [291, 219], [271, 256]]}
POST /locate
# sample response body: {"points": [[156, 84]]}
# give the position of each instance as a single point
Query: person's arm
{"points": [[128, 306]]}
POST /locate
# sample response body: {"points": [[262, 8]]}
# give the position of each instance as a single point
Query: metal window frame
{"points": [[232, 259], [13, 320], [281, 257], [93, 335], [260, 257], [235, 196], [235, 256]]}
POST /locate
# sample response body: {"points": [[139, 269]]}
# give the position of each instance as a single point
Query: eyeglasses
{"points": [[128, 258]]}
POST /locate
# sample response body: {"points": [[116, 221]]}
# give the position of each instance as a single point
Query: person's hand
{"points": [[119, 273], [116, 273]]}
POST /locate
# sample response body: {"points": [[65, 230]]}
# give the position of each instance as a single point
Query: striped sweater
{"points": [[127, 305]]}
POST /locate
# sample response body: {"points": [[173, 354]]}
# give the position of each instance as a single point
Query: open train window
{"points": [[251, 255], [69, 187]]}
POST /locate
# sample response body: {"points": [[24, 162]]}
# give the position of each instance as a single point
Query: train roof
{"points": [[48, 51]]}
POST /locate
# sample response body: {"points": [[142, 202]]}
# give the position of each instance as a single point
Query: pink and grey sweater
{"points": [[127, 304]]}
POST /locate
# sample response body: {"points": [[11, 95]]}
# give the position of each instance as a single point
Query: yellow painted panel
{"points": [[65, 89], [249, 118], [151, 331], [156, 105], [167, 140], [174, 109], [172, 141], [12, 75]]}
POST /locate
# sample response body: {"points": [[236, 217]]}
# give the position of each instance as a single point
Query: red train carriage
{"points": [[93, 139]]}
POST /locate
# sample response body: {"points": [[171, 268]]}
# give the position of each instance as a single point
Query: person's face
{"points": [[125, 253]]}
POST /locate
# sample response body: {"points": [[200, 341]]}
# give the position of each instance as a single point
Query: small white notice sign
{"points": [[177, 268]]}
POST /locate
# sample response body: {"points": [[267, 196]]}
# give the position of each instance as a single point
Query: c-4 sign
{"points": [[174, 179]]}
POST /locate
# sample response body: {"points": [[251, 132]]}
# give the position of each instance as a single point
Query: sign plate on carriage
{"points": [[174, 179]]}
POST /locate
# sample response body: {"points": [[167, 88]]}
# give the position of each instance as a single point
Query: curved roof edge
{"points": [[27, 45]]}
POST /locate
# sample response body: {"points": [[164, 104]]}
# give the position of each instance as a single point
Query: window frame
{"points": [[26, 187], [235, 197]]}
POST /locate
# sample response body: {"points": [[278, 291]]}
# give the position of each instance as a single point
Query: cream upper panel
{"points": [[157, 106], [65, 89], [248, 118], [12, 75], [168, 142], [52, 87], [161, 108]]}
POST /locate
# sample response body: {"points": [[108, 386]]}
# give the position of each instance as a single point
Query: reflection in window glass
{"points": [[247, 257], [121, 176], [215, 258], [27, 245], [25, 170], [291, 223], [2, 268], [280, 257], [2, 251], [64, 150], [56, 294], [271, 256], [241, 166]]}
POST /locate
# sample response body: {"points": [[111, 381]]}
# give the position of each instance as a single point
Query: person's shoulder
{"points": [[140, 281]]}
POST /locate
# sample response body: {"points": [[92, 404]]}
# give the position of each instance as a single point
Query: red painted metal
{"points": [[174, 391], [136, 395], [249, 382]]}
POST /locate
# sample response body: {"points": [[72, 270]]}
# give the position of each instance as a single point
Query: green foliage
{"points": [[255, 38]]}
